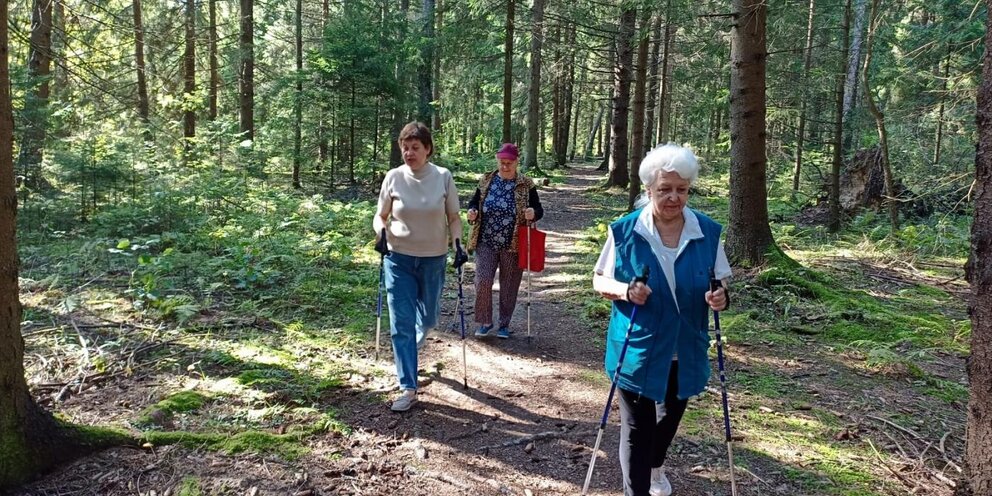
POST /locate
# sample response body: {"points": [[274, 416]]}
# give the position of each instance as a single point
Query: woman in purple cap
{"points": [[504, 200]]}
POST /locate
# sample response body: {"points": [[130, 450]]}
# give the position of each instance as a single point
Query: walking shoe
{"points": [[503, 333], [403, 403], [483, 331], [659, 483]]}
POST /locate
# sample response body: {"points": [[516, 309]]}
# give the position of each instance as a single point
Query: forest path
{"points": [[530, 413]]}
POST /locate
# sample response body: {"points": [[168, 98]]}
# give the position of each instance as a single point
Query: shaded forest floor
{"points": [[846, 377]]}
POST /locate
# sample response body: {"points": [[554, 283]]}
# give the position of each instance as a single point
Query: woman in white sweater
{"points": [[418, 208]]}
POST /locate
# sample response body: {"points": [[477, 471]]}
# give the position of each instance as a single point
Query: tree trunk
{"points": [[534, 91], [351, 137], [557, 102], [60, 81], [653, 66], [247, 50], [322, 147], [854, 56], [375, 134], [568, 81], [508, 71], [189, 73], [399, 112], [606, 136], [425, 70], [139, 62], [36, 101], [853, 63], [883, 135], [939, 134], [436, 81], [214, 65], [801, 132], [748, 236], [978, 450], [577, 106], [665, 98], [298, 101], [637, 133], [619, 175], [834, 221], [592, 132]]}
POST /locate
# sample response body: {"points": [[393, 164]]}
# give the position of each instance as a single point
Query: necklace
{"points": [[670, 234]]}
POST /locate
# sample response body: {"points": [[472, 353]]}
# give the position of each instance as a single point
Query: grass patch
{"points": [[163, 411], [286, 446], [190, 486]]}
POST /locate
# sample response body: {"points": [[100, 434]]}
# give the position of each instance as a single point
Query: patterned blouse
{"points": [[499, 214]]}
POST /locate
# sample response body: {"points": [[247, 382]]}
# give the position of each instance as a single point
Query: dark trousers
{"points": [[487, 260], [646, 431]]}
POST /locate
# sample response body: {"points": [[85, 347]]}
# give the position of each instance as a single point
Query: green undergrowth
{"points": [[853, 316], [286, 446], [181, 402]]}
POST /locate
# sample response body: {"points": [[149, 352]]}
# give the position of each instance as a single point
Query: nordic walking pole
{"points": [[378, 305], [714, 285], [461, 312], [529, 294], [643, 278]]}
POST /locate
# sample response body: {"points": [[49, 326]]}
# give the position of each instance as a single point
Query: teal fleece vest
{"points": [[659, 328]]}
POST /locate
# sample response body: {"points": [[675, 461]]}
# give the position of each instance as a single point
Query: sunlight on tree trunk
{"points": [[214, 66], [508, 71], [534, 91], [891, 202], [653, 87]]}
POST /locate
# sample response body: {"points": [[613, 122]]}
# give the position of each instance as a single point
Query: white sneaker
{"points": [[404, 401], [659, 483]]}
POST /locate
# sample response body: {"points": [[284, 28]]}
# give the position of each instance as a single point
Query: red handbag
{"points": [[530, 244]]}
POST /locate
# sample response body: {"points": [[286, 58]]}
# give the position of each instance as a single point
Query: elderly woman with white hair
{"points": [[666, 361]]}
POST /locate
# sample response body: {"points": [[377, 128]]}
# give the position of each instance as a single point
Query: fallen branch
{"points": [[540, 436], [886, 465], [943, 452], [943, 478], [443, 477], [468, 434], [897, 426]]}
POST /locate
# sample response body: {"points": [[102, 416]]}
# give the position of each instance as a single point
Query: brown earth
{"points": [[524, 425]]}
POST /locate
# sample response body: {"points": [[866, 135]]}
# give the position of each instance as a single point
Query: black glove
{"points": [[715, 284], [643, 279], [460, 256], [381, 246]]}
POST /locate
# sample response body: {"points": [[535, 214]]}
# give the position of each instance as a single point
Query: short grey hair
{"points": [[669, 158]]}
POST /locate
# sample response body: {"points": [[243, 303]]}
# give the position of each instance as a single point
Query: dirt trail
{"points": [[529, 416], [525, 424]]}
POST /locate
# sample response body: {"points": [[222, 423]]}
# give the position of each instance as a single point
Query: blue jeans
{"points": [[413, 289]]}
